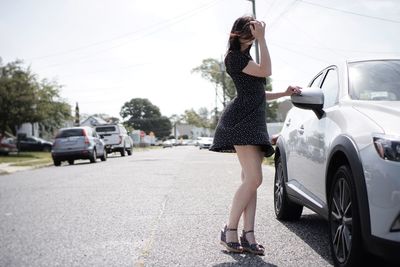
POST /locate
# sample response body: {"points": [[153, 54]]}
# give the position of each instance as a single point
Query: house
{"points": [[92, 121], [181, 129]]}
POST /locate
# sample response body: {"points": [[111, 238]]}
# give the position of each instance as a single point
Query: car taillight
{"points": [[120, 139], [86, 137]]}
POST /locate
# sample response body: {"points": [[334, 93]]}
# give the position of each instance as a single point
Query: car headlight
{"points": [[388, 148]]}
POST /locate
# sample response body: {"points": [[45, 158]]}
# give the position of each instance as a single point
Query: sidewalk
{"points": [[7, 168]]}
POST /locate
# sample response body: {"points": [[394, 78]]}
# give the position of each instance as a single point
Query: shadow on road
{"points": [[244, 260], [313, 230]]}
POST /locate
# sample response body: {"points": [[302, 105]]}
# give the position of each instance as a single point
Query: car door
{"points": [[317, 136], [28, 144], [296, 146]]}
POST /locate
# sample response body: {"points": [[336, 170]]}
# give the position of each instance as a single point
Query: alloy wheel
{"points": [[341, 220], [278, 188]]}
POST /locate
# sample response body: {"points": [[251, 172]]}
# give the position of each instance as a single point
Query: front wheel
{"points": [[104, 157], [344, 221], [285, 209]]}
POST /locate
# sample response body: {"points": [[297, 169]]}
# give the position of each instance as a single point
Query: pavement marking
{"points": [[150, 241]]}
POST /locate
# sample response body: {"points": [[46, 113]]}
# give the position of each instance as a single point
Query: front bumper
{"points": [[382, 179]]}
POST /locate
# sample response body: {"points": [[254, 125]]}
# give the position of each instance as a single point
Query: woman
{"points": [[242, 128]]}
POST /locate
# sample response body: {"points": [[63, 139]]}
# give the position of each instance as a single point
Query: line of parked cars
{"points": [[90, 143]]}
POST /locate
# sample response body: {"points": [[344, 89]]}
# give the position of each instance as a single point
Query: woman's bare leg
{"points": [[249, 213], [250, 160]]}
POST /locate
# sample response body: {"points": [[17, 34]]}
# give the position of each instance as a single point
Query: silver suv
{"points": [[77, 143], [116, 138], [339, 155]]}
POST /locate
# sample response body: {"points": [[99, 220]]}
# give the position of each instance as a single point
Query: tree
{"points": [[24, 99], [213, 70], [77, 119], [142, 114], [52, 111]]}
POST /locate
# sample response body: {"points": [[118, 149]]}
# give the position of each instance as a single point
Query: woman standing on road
{"points": [[242, 128]]}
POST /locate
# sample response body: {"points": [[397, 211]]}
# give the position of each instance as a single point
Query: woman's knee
{"points": [[253, 182]]}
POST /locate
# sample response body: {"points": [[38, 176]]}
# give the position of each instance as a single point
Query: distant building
{"points": [[92, 121], [191, 131]]}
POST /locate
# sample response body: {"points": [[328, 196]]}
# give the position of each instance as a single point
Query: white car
{"points": [[205, 142], [116, 138], [339, 155]]}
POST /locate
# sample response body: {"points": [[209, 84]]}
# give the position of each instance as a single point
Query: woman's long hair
{"points": [[240, 29]]}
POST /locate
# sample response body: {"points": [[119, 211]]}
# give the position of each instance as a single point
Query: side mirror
{"points": [[310, 98]]}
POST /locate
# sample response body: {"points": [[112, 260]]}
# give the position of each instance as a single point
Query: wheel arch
{"points": [[345, 151], [280, 152]]}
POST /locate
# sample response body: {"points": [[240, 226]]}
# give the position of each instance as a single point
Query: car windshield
{"points": [[104, 129], [69, 133], [377, 80]]}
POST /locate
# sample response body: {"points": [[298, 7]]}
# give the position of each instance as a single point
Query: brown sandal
{"points": [[255, 248], [230, 246]]}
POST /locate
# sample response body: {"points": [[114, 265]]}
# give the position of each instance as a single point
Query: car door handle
{"points": [[301, 129]]}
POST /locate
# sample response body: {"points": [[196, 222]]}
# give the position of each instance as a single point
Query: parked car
{"points": [[78, 143], [116, 138], [32, 143], [339, 155], [205, 142], [167, 143], [7, 145]]}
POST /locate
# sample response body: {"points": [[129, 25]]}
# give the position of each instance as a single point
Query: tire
{"points": [[122, 151], [129, 151], [93, 158], [285, 210], [56, 162], [104, 157], [344, 222], [71, 162]]}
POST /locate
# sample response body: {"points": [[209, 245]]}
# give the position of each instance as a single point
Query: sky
{"points": [[104, 53]]}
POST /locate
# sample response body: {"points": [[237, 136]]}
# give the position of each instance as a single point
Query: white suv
{"points": [[116, 138], [339, 155]]}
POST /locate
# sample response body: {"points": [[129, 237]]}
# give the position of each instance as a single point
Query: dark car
{"points": [[34, 144], [78, 143]]}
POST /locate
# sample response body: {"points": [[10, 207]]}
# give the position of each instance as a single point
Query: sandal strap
{"points": [[246, 232], [229, 229]]}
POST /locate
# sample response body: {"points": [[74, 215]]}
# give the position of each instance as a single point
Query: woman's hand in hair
{"points": [[258, 29]]}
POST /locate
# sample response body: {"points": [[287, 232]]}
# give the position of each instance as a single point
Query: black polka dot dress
{"points": [[243, 121]]}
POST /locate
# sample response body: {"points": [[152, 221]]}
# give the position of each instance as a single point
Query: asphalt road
{"points": [[162, 207]]}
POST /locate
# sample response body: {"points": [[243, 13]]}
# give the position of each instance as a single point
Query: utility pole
{"points": [[222, 68], [253, 2]]}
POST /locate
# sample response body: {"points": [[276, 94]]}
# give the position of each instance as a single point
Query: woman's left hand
{"points": [[293, 90]]}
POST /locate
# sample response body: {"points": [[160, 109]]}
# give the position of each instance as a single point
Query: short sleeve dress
{"points": [[243, 121]]}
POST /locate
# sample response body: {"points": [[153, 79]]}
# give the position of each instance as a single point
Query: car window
{"points": [[330, 87], [104, 129], [316, 81], [69, 132], [376, 80]]}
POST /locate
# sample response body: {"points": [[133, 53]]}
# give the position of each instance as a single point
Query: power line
{"points": [[302, 53], [349, 12], [169, 22], [313, 38]]}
